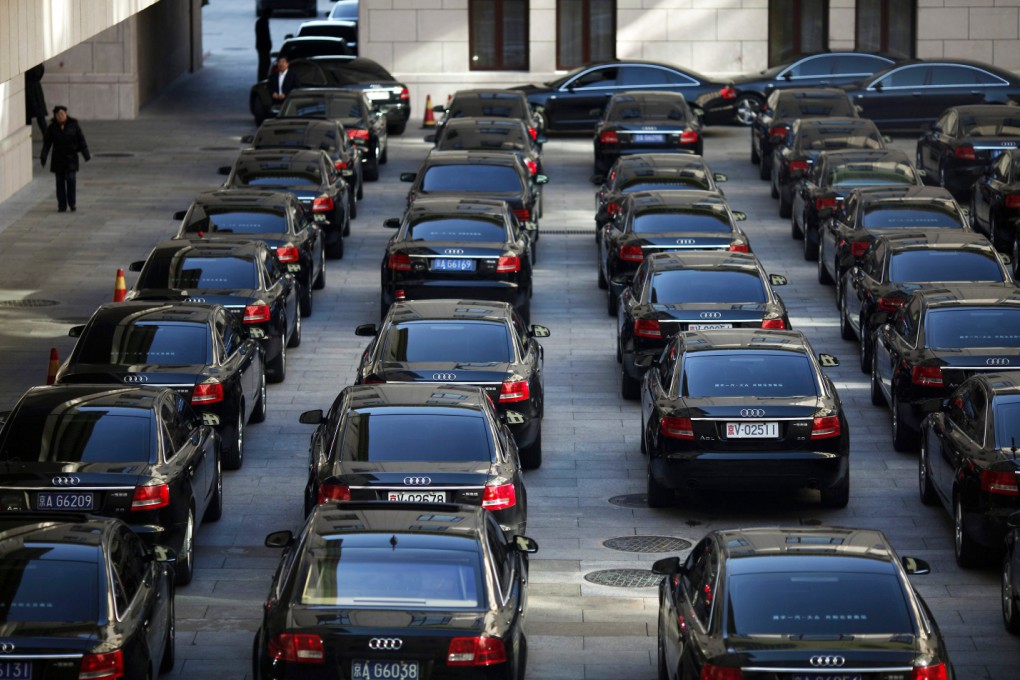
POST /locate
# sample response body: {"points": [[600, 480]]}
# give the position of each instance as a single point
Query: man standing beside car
{"points": [[65, 137], [285, 80]]}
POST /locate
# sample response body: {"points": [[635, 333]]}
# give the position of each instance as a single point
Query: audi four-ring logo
{"points": [[711, 315], [827, 661], [417, 481], [453, 251], [752, 412], [385, 644], [65, 481], [444, 376], [1000, 361], [136, 378], [6, 647], [685, 242]]}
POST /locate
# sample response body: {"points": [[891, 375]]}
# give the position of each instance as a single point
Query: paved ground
{"points": [[144, 170]]}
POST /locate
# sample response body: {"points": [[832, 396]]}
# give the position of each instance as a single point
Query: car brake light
{"points": [[858, 248], [632, 253], [288, 253], [926, 376], [609, 137], [105, 666], [209, 392], [890, 304], [677, 428], [256, 313], [965, 152], [340, 165], [532, 166], [399, 262], [150, 497], [1013, 201], [825, 427], [798, 166], [728, 92], [322, 204], [689, 137], [514, 390], [405, 94], [778, 324], [523, 214], [740, 248], [357, 134], [934, 672], [508, 263], [475, 651], [778, 131], [710, 672], [297, 648], [329, 493], [533, 133], [825, 203], [1001, 482], [499, 497], [612, 208], [647, 328]]}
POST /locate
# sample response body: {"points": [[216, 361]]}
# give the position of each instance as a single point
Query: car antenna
{"points": [[393, 538]]}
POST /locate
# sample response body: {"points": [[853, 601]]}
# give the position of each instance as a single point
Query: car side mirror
{"points": [[828, 360], [288, 36], [367, 330], [179, 215], [1006, 259], [247, 139], [540, 331], [778, 280], [859, 109], [75, 331], [408, 176], [136, 266], [739, 216], [878, 86], [280, 539], [224, 170], [311, 417], [431, 139], [392, 223], [525, 545], [161, 553], [541, 179], [915, 565], [667, 566], [720, 177], [887, 139]]}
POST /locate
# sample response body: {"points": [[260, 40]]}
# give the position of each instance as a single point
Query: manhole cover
{"points": [[217, 148], [647, 544], [113, 154], [28, 303], [623, 578], [631, 500]]}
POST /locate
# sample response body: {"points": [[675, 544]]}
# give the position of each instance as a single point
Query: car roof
{"points": [[428, 206], [837, 121], [411, 397], [659, 160], [968, 295], [656, 201], [461, 157], [986, 110], [72, 397], [246, 199], [870, 546], [247, 249], [443, 309], [929, 239], [484, 122], [865, 156], [1006, 384], [82, 533], [310, 126], [387, 518], [141, 311], [703, 259], [905, 193], [745, 338]]}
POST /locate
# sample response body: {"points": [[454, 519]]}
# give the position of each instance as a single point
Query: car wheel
{"points": [[658, 495], [352, 202], [603, 284], [773, 187], [644, 444], [838, 495], [347, 219], [661, 672], [360, 193], [215, 509], [396, 128], [320, 280], [371, 168], [877, 398], [866, 347], [924, 485], [335, 250], [259, 414], [166, 664], [619, 350], [764, 165], [629, 387], [746, 108], [755, 158], [233, 457], [785, 205], [1010, 612], [185, 566], [968, 553], [903, 439], [295, 337], [810, 244], [306, 301], [614, 304], [846, 331], [276, 370], [795, 233], [840, 286], [824, 277], [531, 456]]}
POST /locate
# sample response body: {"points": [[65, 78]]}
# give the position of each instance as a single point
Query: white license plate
{"points": [[418, 496], [648, 139], [364, 669], [708, 326], [753, 430], [377, 94]]}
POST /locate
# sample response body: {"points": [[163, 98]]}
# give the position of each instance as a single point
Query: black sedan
{"points": [[960, 146], [139, 454], [804, 603], [364, 124], [805, 141], [489, 103], [658, 221], [246, 278], [995, 205], [691, 291], [346, 29], [576, 100], [83, 598], [374, 590], [743, 408], [406, 442], [310, 176], [199, 350], [645, 122], [275, 218], [908, 96], [967, 462], [938, 339], [491, 134], [465, 342], [458, 248]]}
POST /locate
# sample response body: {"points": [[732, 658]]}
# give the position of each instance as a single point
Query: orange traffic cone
{"points": [[430, 117], [51, 372], [119, 288]]}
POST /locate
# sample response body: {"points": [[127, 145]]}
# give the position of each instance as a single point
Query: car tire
{"points": [[619, 350], [644, 444], [531, 456], [335, 250], [276, 370], [603, 284], [968, 553], [352, 202], [877, 398], [184, 568], [773, 188], [360, 193], [904, 440], [838, 495], [614, 304], [630, 388], [745, 109], [755, 158], [396, 129], [306, 301], [215, 509], [846, 331], [1010, 611], [233, 454], [371, 167], [867, 348], [824, 277], [795, 233], [785, 205], [295, 337], [166, 663], [925, 488], [764, 165], [347, 220], [259, 414], [810, 245], [658, 495], [320, 280]]}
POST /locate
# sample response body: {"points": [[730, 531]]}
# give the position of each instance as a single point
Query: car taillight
{"points": [[399, 262], [1013, 201], [209, 392], [890, 304], [256, 313], [825, 427], [689, 137], [677, 428], [150, 497], [778, 324], [533, 133], [778, 131], [926, 376], [508, 263], [499, 497], [728, 92], [825, 203], [647, 328], [105, 666], [297, 648], [1001, 482], [740, 248], [357, 134], [514, 390], [322, 204], [475, 651], [965, 153], [934, 672], [710, 672], [532, 166], [340, 165], [405, 94], [609, 137], [798, 166], [632, 253], [329, 493], [612, 208], [523, 214], [288, 253], [858, 248]]}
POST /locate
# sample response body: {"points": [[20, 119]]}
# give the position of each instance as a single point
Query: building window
{"points": [[585, 32], [797, 27], [498, 35], [886, 26]]}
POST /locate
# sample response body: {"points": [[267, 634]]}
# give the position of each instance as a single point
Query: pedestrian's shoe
{"points": [[74, 208], [61, 209]]}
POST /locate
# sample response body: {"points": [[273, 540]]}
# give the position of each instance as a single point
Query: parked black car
{"points": [[838, 599], [458, 248], [995, 205], [465, 342], [960, 146], [489, 103], [939, 338], [345, 29], [674, 292], [83, 598], [491, 134], [396, 590], [139, 454], [199, 350], [408, 442], [645, 122], [310, 176], [743, 408], [245, 277]]}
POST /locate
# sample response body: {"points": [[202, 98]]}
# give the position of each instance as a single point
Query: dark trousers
{"points": [[264, 62], [67, 186]]}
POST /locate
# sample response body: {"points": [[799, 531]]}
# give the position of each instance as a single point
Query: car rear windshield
{"points": [[237, 222], [292, 138], [88, 435], [463, 342], [873, 174], [706, 285], [990, 125], [748, 374], [488, 106], [347, 109], [666, 184], [841, 137], [1007, 423], [818, 106], [710, 221], [41, 590], [926, 265], [392, 577], [397, 437], [827, 603], [469, 231], [911, 217], [626, 109], [980, 327], [490, 137], [213, 273], [355, 71], [169, 344], [282, 180], [498, 179]]}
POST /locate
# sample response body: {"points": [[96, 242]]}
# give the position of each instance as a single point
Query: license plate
{"points": [[293, 267], [457, 264], [826, 676], [418, 496], [752, 430], [319, 217], [363, 669], [708, 326], [47, 500], [15, 670], [376, 95], [649, 139]]}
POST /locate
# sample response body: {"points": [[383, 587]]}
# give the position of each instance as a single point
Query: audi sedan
{"points": [[489, 103], [645, 122], [960, 146], [414, 442], [491, 134], [797, 603], [139, 454], [995, 205], [399, 590]]}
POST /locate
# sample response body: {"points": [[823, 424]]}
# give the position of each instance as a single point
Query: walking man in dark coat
{"points": [[35, 101], [65, 137], [263, 43]]}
